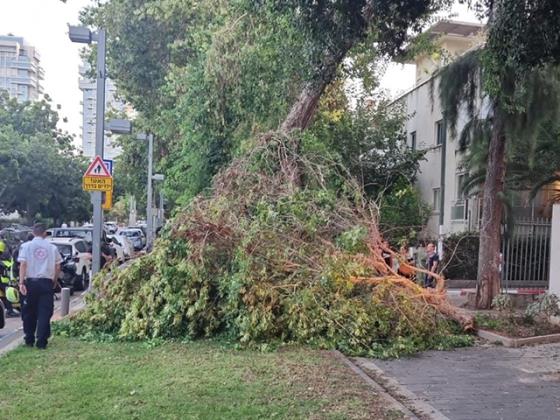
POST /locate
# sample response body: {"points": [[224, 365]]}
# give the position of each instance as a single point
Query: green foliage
{"points": [[402, 214], [460, 256], [523, 36], [545, 306], [503, 303], [209, 75], [40, 174], [459, 85], [370, 143], [530, 114], [261, 260]]}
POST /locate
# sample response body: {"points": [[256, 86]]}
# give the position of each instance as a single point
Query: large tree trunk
{"points": [[488, 284]]}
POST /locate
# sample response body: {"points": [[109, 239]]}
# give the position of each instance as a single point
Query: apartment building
{"points": [[442, 174], [89, 103], [20, 69]]}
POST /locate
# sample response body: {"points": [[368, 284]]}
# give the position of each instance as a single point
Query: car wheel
{"points": [[85, 279], [82, 281]]}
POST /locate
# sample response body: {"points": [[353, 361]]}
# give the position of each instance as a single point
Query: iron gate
{"points": [[526, 253]]}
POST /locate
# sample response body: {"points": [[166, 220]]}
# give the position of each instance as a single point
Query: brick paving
{"points": [[485, 382]]}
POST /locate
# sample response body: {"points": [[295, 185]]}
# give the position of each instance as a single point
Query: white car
{"points": [[118, 243], [136, 236], [79, 250]]}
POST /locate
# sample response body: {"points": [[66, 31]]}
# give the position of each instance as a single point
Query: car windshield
{"points": [[64, 249], [130, 233]]}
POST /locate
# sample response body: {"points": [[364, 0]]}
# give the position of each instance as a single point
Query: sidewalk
{"points": [[11, 336], [483, 382]]}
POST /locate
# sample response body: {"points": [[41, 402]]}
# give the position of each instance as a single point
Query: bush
{"points": [[460, 257], [274, 254]]}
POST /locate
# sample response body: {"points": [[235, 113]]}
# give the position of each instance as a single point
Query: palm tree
{"points": [[494, 130]]}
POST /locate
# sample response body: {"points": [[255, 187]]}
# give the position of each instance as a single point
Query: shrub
{"points": [[460, 257]]}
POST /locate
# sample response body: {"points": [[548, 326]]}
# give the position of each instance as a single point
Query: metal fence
{"points": [[526, 253]]}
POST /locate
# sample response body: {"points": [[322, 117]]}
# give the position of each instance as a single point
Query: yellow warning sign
{"points": [[107, 200], [95, 183]]}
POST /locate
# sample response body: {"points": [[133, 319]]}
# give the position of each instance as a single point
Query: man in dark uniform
{"points": [[432, 262]]}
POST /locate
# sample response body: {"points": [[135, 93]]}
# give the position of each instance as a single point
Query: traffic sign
{"points": [[107, 200], [97, 168], [97, 183], [109, 164]]}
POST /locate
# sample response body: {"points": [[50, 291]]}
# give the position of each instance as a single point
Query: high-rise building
{"points": [[89, 103], [20, 69]]}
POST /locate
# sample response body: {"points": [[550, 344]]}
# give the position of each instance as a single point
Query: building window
{"points": [[441, 132], [413, 140], [437, 200]]}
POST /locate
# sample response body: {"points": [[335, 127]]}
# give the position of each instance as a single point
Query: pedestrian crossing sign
{"points": [[97, 177], [97, 168]]}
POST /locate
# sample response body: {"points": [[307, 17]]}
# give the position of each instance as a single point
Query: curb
{"points": [[418, 406], [517, 342], [392, 403]]}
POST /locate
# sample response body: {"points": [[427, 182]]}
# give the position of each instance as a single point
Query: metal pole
{"points": [[99, 138], [149, 206], [64, 301]]}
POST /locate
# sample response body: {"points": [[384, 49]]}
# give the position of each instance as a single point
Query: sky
{"points": [[43, 23]]}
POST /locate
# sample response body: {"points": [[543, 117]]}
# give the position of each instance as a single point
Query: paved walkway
{"points": [[485, 382]]}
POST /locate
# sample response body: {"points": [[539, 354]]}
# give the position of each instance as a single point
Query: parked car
{"points": [[136, 236], [125, 243], [78, 232], [80, 252]]}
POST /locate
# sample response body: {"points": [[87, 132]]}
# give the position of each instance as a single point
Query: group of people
{"points": [[37, 274]]}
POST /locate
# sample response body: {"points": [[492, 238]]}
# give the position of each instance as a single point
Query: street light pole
{"points": [[149, 207], [99, 140]]}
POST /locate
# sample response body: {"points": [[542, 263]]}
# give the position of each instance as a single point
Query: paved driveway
{"points": [[485, 382]]}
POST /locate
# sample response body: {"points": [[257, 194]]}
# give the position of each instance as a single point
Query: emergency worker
{"points": [[38, 271]]}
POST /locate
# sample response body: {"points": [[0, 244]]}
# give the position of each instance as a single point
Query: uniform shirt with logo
{"points": [[41, 257]]}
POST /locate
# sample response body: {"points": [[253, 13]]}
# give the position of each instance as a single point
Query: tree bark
{"points": [[488, 284]]}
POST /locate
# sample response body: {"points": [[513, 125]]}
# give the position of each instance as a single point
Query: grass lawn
{"points": [[200, 380]]}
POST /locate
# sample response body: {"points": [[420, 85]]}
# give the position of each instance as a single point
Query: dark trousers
{"points": [[37, 310], [5, 301]]}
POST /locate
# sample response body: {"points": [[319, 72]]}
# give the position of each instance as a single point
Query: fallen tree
{"points": [[264, 259]]}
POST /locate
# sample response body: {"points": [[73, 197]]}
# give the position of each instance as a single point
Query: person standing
{"points": [[432, 262], [39, 268]]}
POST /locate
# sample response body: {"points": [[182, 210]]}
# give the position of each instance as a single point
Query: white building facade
{"points": [[20, 69]]}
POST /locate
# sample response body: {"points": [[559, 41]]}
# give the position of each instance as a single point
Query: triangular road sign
{"points": [[97, 168]]}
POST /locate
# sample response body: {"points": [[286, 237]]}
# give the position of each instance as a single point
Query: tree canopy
{"points": [[206, 76], [40, 173]]}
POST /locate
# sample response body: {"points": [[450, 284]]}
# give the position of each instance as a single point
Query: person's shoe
{"points": [[12, 314], [42, 347], [29, 344]]}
